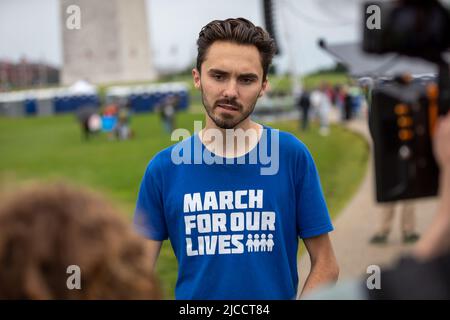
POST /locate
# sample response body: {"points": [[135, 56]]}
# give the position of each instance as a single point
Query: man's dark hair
{"points": [[240, 31]]}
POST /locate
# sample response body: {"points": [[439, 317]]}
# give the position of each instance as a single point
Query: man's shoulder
{"points": [[290, 148], [289, 142]]}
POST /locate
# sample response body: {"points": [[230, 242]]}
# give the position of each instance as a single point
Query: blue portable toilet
{"points": [[146, 102], [184, 100], [133, 103], [159, 97], [138, 103], [30, 106]]}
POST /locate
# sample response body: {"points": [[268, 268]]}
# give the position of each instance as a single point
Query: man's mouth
{"points": [[229, 107]]}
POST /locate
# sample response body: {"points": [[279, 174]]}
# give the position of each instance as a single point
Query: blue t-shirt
{"points": [[234, 227]]}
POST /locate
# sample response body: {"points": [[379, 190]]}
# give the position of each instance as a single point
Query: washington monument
{"points": [[111, 43]]}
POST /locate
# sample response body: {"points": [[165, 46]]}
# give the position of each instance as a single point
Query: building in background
{"points": [[112, 44], [26, 74]]}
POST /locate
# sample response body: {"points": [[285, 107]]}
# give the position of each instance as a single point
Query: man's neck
{"points": [[231, 143]]}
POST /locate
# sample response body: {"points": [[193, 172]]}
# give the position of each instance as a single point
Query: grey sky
{"points": [[31, 28]]}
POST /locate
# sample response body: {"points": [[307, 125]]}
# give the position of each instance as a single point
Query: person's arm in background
{"points": [[324, 266], [437, 238]]}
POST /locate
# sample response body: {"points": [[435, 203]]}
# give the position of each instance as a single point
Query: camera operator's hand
{"points": [[437, 238], [441, 143]]}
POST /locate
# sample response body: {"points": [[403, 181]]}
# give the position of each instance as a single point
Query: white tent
{"points": [[82, 87]]}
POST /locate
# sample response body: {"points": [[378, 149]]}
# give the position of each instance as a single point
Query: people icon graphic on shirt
{"points": [[263, 242], [249, 243], [255, 244], [270, 243]]}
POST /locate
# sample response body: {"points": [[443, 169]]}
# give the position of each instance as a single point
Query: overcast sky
{"points": [[31, 28]]}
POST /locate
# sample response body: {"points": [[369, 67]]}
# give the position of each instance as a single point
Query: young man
{"points": [[234, 226]]}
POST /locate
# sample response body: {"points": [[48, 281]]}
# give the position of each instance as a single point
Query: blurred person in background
{"points": [[338, 99], [322, 106], [347, 107], [167, 110], [408, 223], [89, 119], [45, 228], [304, 104], [122, 128]]}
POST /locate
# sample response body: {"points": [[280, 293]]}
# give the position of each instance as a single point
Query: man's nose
{"points": [[231, 90]]}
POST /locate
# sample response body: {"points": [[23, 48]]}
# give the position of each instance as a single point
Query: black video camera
{"points": [[404, 110]]}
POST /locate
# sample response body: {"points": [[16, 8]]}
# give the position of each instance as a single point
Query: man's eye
{"points": [[218, 77], [247, 80]]}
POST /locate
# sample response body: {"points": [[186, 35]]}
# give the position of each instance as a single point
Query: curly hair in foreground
{"points": [[45, 228]]}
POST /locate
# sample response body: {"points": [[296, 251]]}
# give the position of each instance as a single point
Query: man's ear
{"points": [[265, 87], [196, 78]]}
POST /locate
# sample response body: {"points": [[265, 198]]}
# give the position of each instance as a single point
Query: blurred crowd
{"points": [[348, 100], [115, 117]]}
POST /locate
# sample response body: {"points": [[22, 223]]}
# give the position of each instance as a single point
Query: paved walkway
{"points": [[358, 221]]}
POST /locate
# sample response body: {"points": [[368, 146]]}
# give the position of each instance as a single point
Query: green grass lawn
{"points": [[51, 148]]}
